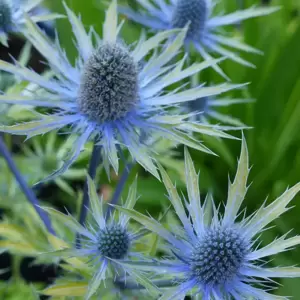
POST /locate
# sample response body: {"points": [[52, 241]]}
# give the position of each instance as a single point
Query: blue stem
{"points": [[94, 163], [119, 188], [24, 187], [128, 285]]}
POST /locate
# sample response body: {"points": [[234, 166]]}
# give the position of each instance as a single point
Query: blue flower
{"points": [[204, 31], [105, 241], [13, 16], [112, 93], [220, 256], [208, 109]]}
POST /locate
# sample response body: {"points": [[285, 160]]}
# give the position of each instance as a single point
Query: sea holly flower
{"points": [[113, 94], [208, 110], [204, 31], [220, 257], [13, 16], [46, 154], [105, 240]]}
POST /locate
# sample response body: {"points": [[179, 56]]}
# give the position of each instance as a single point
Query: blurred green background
{"points": [[274, 141]]}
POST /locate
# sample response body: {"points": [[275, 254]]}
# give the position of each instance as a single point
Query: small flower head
{"points": [[208, 110], [114, 242], [5, 16], [204, 28], [220, 256], [13, 16], [200, 105], [194, 12], [109, 84], [44, 156], [110, 96]]}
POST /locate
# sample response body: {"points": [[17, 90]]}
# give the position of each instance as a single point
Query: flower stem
{"points": [[24, 187], [128, 285], [94, 163], [119, 188]]}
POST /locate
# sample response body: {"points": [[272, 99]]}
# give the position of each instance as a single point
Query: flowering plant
{"points": [[125, 116]]}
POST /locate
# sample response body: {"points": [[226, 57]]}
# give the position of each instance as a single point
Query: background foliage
{"points": [[274, 141]]}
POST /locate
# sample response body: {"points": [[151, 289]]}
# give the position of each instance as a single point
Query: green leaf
{"points": [[72, 289]]}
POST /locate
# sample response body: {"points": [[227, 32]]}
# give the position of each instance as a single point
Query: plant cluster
{"points": [[139, 108]]}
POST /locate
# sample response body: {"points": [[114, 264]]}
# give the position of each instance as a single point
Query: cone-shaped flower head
{"points": [[220, 257], [105, 240], [109, 84], [113, 241], [113, 94], [204, 28], [13, 16]]}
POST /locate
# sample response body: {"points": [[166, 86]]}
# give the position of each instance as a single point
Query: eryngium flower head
{"points": [[13, 16], [5, 16], [192, 11], [109, 84], [113, 241], [220, 256], [44, 156], [208, 107], [106, 240], [113, 93], [204, 28]]}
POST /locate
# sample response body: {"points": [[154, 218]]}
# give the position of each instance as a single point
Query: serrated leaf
{"points": [[110, 26], [96, 203], [238, 189]]}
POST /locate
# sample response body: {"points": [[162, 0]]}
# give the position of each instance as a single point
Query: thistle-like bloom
{"points": [[106, 241], [13, 15], [204, 28], [208, 109], [46, 155], [113, 94], [220, 256]]}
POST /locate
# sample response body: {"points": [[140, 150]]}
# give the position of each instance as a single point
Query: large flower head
{"points": [[13, 15], [204, 28], [106, 239], [113, 93], [220, 256]]}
